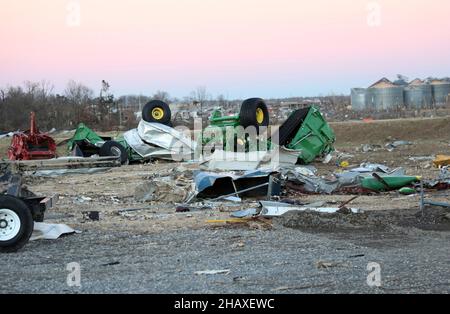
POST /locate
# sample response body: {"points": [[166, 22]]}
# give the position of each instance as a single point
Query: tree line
{"points": [[103, 111], [78, 103]]}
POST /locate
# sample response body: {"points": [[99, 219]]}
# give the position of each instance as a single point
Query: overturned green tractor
{"points": [[305, 132], [87, 142]]}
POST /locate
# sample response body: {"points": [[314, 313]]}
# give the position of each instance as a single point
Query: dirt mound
{"points": [[431, 219]]}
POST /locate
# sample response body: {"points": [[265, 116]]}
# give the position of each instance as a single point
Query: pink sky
{"points": [[239, 48]]}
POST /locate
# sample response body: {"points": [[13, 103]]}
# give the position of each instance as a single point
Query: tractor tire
{"points": [[157, 111], [16, 224], [289, 128], [112, 148], [254, 112]]}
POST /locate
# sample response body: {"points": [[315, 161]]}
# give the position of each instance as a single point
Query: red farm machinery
{"points": [[32, 144]]}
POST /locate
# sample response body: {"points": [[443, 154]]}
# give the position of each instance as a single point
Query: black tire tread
{"points": [[105, 151], [247, 114], [147, 116], [287, 130]]}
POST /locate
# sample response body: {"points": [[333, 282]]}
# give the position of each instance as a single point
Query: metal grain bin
{"points": [[384, 98], [440, 90], [358, 98], [418, 96]]}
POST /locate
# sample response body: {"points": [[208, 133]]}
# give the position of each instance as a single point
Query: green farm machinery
{"points": [[305, 133]]}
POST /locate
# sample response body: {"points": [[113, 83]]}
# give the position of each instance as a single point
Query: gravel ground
{"points": [[280, 260]]}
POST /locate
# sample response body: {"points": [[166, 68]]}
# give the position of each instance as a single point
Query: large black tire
{"points": [[21, 211], [157, 111], [254, 112], [112, 148], [289, 128]]}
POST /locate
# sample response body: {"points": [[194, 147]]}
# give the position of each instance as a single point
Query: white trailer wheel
{"points": [[9, 224]]}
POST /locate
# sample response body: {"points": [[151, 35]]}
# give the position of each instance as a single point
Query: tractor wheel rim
{"points": [[157, 113], [259, 115], [9, 224], [116, 151]]}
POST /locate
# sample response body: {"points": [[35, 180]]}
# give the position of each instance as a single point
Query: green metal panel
{"points": [[393, 182], [217, 119], [216, 132], [314, 137], [83, 133]]}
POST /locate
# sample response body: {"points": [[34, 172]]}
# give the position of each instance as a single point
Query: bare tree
{"points": [[78, 96], [45, 88], [78, 93], [162, 95], [200, 95]]}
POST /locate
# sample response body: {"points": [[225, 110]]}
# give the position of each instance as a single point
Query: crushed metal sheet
{"points": [[368, 167], [61, 172], [233, 199], [46, 231], [312, 184], [242, 161], [391, 146], [211, 184], [166, 137], [146, 150], [274, 209], [245, 213]]}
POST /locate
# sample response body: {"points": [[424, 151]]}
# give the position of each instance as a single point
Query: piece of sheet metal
{"points": [[241, 161], [251, 212], [146, 150], [164, 136], [274, 209], [311, 184], [45, 231], [423, 202], [213, 185], [204, 180], [62, 172]]}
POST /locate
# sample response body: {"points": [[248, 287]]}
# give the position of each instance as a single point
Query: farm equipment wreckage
{"points": [[304, 132], [32, 144]]}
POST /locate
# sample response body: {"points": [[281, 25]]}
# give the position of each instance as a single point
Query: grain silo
{"points": [[418, 95], [441, 91], [384, 95], [358, 98]]}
